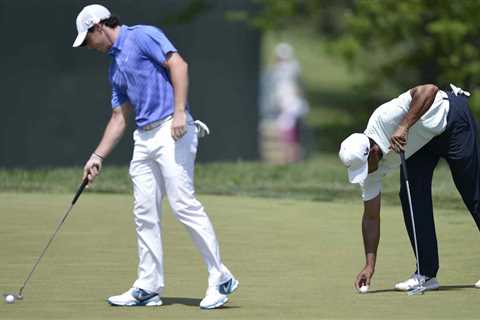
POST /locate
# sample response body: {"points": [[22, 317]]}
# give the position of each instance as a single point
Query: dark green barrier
{"points": [[56, 99]]}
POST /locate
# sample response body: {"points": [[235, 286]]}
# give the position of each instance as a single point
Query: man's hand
{"points": [[179, 125], [398, 141], [364, 277], [92, 168]]}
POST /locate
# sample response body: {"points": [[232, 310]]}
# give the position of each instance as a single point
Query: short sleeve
{"points": [[372, 186], [118, 97], [405, 99], [154, 44]]}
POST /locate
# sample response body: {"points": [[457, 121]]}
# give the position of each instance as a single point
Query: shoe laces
{"points": [[141, 294]]}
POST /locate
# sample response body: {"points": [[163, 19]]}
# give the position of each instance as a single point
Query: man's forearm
{"points": [[422, 99], [371, 238], [113, 132]]}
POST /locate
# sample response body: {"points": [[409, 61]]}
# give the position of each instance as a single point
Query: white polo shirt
{"points": [[383, 123]]}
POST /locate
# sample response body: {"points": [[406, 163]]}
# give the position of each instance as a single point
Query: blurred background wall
{"points": [[56, 99]]}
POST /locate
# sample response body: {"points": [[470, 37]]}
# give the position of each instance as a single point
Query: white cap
{"points": [[87, 18], [354, 154]]}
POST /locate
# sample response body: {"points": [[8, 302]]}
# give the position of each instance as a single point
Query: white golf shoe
{"points": [[217, 296], [229, 286], [414, 281], [213, 299], [477, 284], [135, 297]]}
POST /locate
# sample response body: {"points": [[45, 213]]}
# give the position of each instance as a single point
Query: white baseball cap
{"points": [[354, 154], [87, 18]]}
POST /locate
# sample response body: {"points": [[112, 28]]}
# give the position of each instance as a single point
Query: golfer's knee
{"points": [[145, 210]]}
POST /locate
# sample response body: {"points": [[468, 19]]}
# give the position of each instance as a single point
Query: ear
{"points": [[98, 27]]}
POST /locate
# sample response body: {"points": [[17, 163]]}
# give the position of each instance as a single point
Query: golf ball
{"points": [[363, 289], [10, 299]]}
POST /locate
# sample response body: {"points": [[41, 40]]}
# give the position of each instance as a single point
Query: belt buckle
{"points": [[151, 126], [156, 124]]}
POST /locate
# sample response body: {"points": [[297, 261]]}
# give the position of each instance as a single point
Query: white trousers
{"points": [[162, 167]]}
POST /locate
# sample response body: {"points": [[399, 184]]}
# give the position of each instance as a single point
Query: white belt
{"points": [[155, 124]]}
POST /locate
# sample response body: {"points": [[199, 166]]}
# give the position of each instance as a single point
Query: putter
{"points": [[420, 288], [12, 297]]}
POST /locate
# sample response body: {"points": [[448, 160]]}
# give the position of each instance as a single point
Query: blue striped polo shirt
{"points": [[137, 73]]}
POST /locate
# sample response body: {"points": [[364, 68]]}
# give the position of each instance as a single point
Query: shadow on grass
{"points": [[457, 287], [442, 288], [382, 291], [191, 302]]}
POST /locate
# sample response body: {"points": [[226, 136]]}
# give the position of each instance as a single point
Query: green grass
{"points": [[320, 178], [294, 259]]}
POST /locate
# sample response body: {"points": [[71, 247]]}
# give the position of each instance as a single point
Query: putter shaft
{"points": [[420, 286], [75, 198]]}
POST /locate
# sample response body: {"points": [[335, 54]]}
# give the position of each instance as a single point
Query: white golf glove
{"points": [[202, 129]]}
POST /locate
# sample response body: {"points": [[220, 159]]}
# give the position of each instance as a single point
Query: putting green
{"points": [[294, 260]]}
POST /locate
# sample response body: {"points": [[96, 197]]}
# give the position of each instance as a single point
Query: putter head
{"points": [[16, 296]]}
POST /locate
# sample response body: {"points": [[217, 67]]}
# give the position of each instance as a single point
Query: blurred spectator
{"points": [[282, 108]]}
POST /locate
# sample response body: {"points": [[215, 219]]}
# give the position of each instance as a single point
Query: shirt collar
{"points": [[118, 45]]}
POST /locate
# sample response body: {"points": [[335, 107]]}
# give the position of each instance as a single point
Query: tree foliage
{"points": [[433, 40], [399, 42]]}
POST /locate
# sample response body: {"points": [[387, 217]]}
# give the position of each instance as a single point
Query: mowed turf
{"points": [[294, 260]]}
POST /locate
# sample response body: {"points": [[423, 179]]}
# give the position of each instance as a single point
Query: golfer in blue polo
{"points": [[149, 78]]}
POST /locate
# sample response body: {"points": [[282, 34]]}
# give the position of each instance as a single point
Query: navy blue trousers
{"points": [[458, 145]]}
